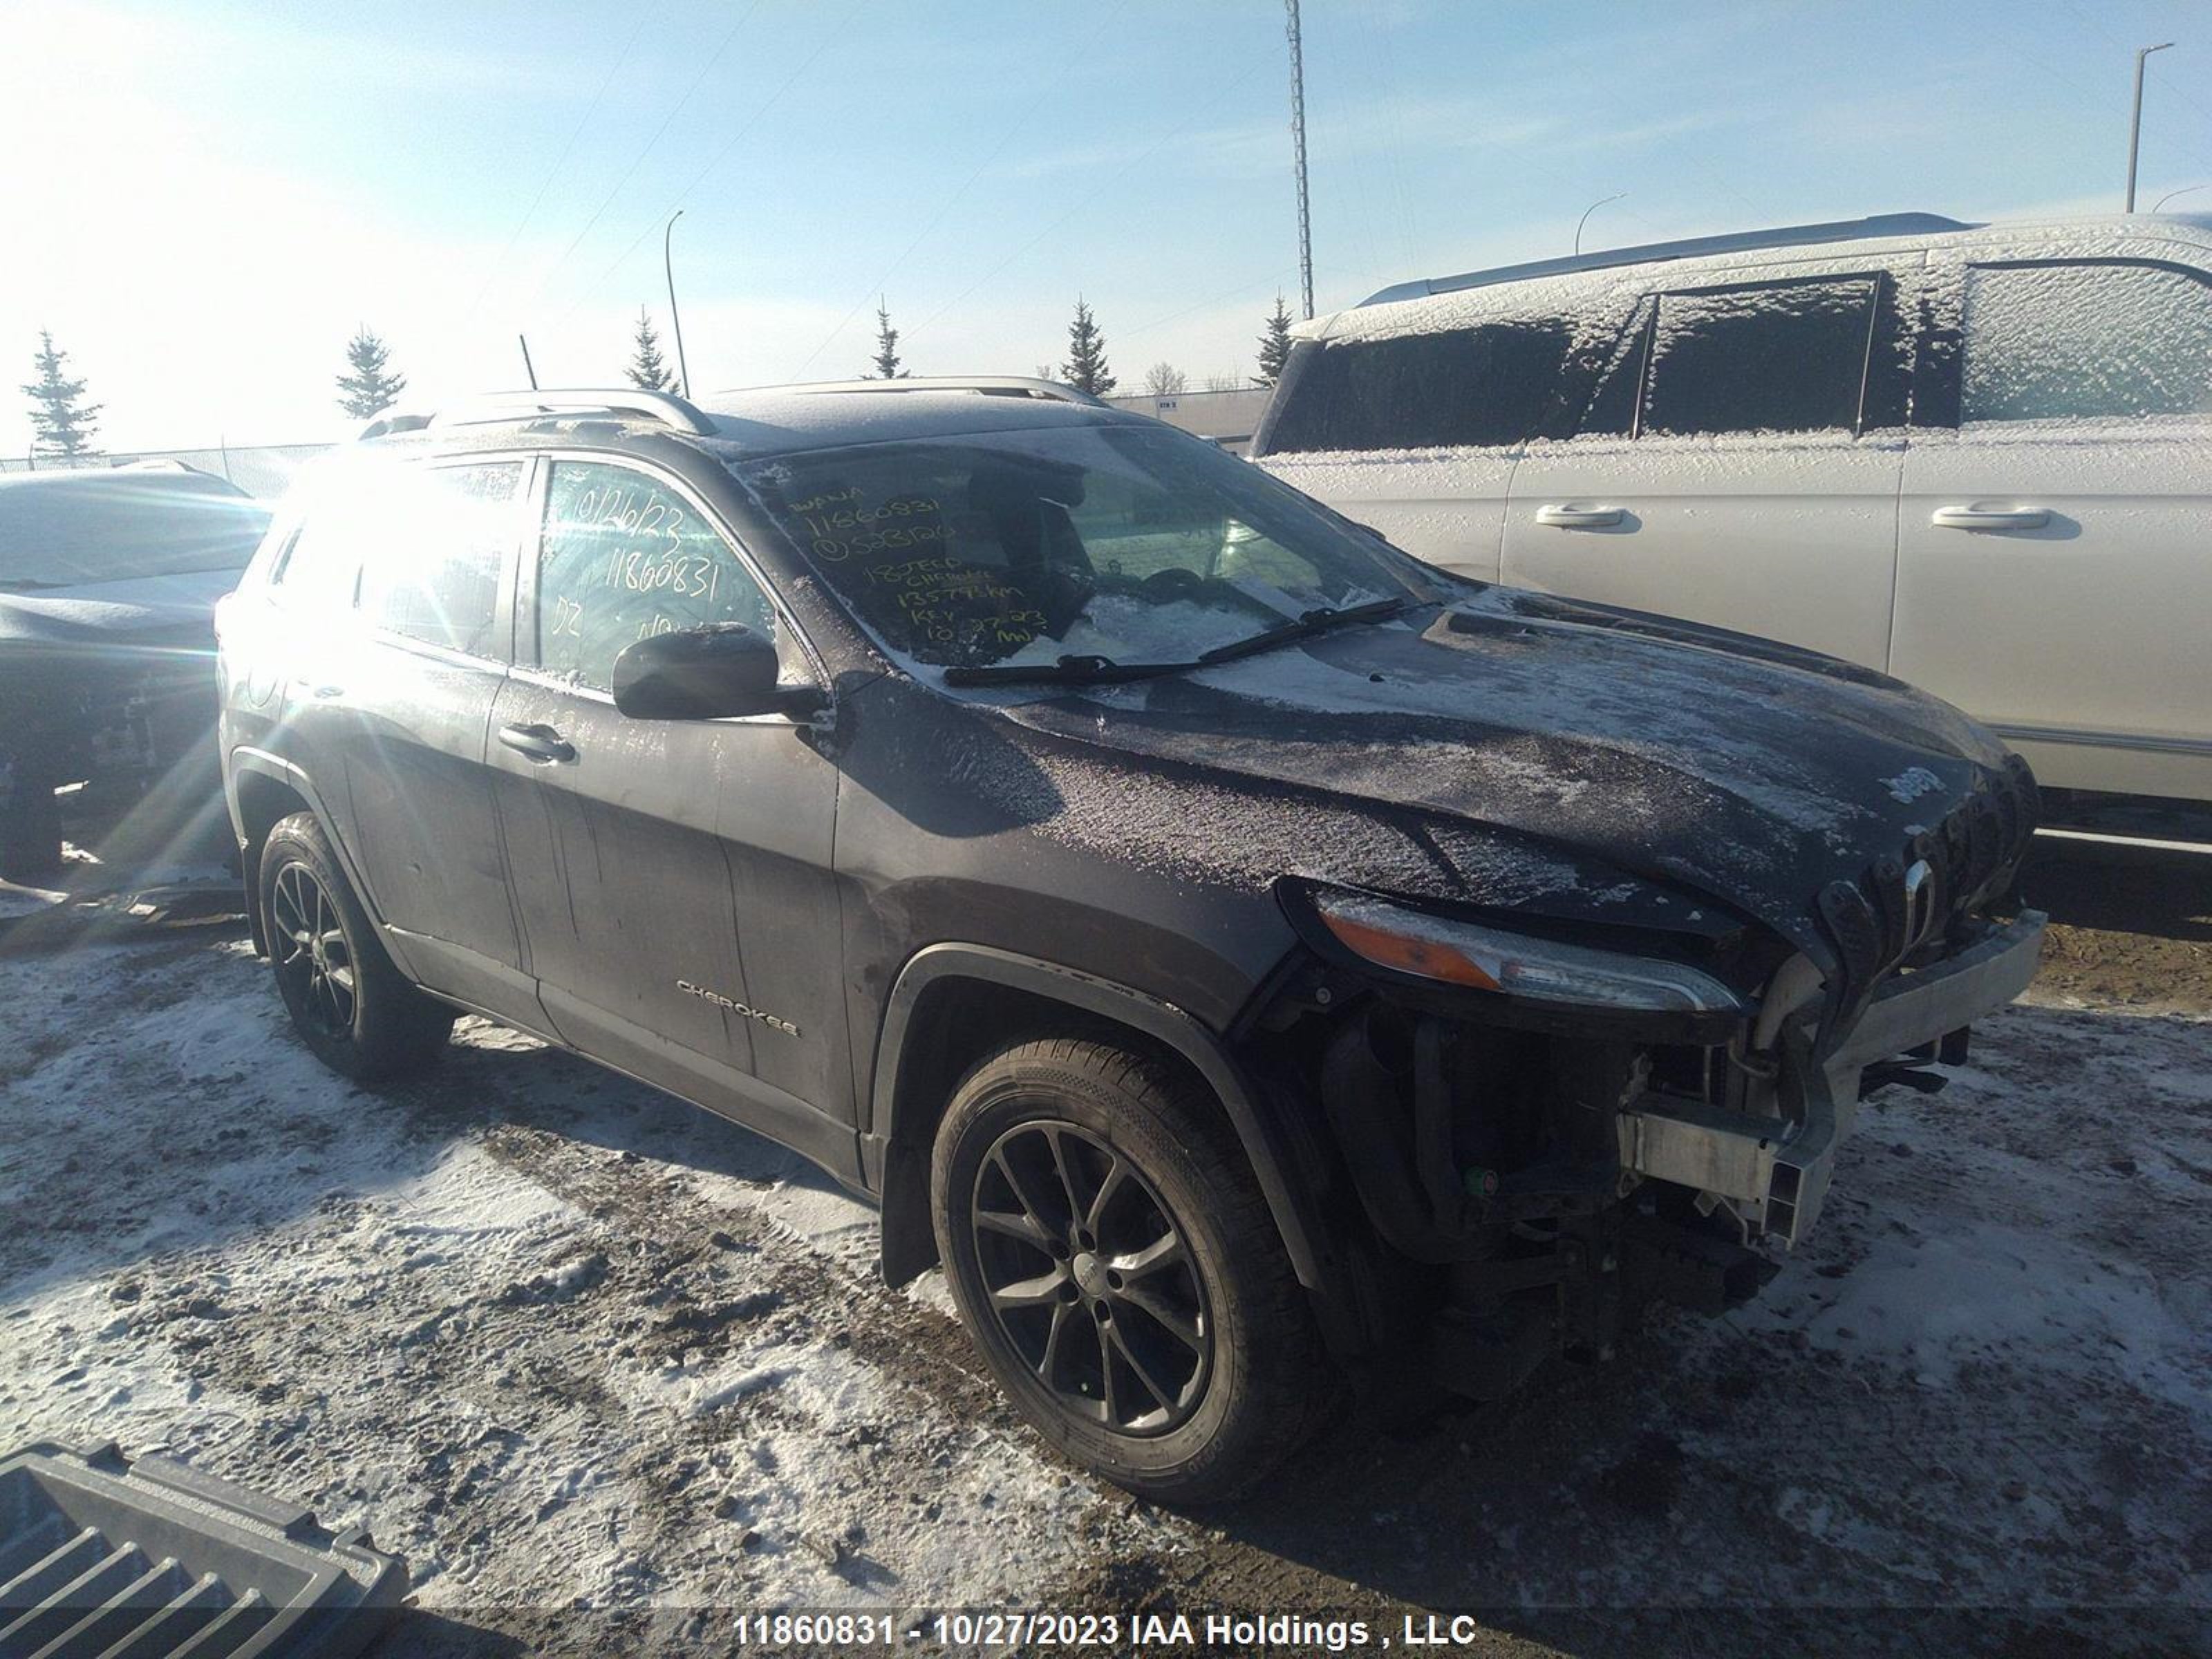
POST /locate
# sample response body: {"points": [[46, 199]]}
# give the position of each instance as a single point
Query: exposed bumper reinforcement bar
{"points": [[1777, 1169], [1779, 1166]]}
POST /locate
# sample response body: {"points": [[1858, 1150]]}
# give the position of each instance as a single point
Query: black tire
{"points": [[31, 821], [1127, 1392], [347, 1001]]}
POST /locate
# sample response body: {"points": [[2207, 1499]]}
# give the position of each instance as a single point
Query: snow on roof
{"points": [[1886, 225], [1568, 287]]}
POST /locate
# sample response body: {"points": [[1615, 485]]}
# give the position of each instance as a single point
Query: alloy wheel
{"points": [[313, 963], [1091, 1280]]}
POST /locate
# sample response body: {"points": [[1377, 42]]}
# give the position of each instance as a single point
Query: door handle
{"points": [[328, 693], [1975, 518], [1580, 518], [541, 744]]}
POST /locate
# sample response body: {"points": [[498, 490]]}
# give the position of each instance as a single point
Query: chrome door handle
{"points": [[1975, 518], [327, 693], [540, 744], [1580, 518]]}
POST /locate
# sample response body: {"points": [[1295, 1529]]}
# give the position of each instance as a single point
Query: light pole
{"points": [[667, 264], [2187, 189], [1299, 153], [1586, 211], [2135, 121]]}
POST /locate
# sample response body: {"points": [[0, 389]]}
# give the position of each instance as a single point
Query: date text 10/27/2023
{"points": [[1075, 1631]]}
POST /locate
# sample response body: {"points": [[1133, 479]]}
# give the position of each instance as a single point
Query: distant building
{"points": [[1229, 418]]}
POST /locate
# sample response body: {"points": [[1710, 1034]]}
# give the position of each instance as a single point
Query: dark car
{"points": [[109, 582], [1248, 958]]}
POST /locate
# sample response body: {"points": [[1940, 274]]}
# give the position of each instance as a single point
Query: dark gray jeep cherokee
{"points": [[1247, 957]]}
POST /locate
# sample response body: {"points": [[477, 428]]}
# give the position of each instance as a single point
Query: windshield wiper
{"points": [[1317, 621], [1068, 670], [1104, 670]]}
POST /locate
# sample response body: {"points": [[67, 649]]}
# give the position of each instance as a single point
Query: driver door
{"points": [[672, 877]]}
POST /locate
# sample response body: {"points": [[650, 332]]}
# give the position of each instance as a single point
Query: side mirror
{"points": [[701, 674]]}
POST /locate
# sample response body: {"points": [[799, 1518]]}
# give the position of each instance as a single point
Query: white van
{"points": [[1977, 457]]}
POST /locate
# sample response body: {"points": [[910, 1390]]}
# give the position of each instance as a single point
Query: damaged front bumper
{"points": [[1773, 1171]]}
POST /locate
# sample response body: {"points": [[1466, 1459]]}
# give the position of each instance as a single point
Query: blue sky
{"points": [[223, 190]]}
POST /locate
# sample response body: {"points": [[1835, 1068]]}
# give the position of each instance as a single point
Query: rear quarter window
{"points": [[319, 566], [2085, 341]]}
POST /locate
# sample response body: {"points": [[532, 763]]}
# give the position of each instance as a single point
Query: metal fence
{"points": [[262, 470]]}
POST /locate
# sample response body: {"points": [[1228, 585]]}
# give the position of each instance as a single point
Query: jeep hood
{"points": [[1514, 744]]}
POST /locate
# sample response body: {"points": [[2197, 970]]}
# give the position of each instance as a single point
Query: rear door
{"points": [[1738, 465], [1415, 435], [2055, 557], [405, 697], [673, 877]]}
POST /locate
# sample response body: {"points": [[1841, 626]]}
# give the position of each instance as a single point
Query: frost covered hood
{"points": [[1519, 742], [178, 607]]}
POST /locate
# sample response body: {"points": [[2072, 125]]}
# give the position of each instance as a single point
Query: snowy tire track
{"points": [[494, 1315]]}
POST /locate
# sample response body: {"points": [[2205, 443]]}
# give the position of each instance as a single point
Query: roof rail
{"points": [[1839, 230], [987, 385], [619, 403]]}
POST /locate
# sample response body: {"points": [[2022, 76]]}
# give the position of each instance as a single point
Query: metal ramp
{"points": [[103, 1557]]}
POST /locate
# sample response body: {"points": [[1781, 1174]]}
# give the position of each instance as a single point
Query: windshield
{"points": [[75, 529], [1133, 543]]}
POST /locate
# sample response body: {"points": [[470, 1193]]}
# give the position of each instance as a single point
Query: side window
{"points": [[1788, 357], [2084, 340], [1472, 386], [440, 537], [623, 557]]}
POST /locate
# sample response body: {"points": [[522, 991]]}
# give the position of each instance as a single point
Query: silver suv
{"points": [[1976, 457]]}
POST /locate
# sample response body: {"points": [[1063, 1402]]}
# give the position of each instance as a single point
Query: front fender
{"points": [[903, 1116]]}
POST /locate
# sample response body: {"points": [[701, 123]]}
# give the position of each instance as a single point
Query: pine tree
{"points": [[371, 387], [885, 365], [1274, 345], [62, 422], [1085, 368], [647, 367]]}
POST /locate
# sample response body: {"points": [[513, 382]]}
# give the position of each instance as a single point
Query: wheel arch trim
{"points": [[260, 762], [1304, 1239]]}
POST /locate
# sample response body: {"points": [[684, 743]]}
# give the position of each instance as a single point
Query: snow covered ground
{"points": [[566, 1345]]}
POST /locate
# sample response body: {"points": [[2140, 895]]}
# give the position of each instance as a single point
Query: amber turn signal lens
{"points": [[1407, 952]]}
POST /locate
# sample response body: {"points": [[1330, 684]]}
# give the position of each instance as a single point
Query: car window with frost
{"points": [[1114, 541], [2085, 342], [1788, 357], [1463, 387]]}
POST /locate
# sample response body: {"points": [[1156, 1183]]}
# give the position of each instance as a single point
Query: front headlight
{"points": [[1486, 958]]}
